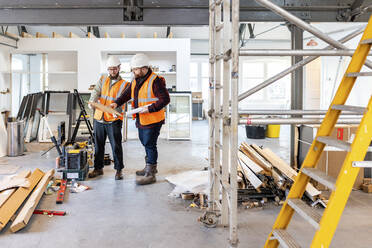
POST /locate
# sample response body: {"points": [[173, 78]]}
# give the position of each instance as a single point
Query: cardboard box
{"points": [[367, 188], [332, 158]]}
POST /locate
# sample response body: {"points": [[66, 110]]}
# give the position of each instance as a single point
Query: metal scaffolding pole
{"points": [[305, 26], [234, 124], [217, 102], [212, 178], [302, 63], [287, 52], [226, 113], [291, 121], [289, 112]]}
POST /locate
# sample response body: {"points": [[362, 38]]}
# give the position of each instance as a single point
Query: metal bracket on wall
{"points": [[132, 11]]}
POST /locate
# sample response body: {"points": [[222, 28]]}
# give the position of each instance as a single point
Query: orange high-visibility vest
{"points": [[145, 97], [108, 96]]}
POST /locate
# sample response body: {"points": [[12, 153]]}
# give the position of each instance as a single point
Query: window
{"points": [[254, 72]]}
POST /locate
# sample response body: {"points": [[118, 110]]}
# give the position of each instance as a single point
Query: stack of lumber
{"points": [[13, 195], [265, 175]]}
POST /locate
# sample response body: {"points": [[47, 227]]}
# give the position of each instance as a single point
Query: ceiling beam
{"points": [[165, 12]]}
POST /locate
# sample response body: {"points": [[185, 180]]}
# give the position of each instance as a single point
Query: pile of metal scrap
{"points": [[263, 176]]}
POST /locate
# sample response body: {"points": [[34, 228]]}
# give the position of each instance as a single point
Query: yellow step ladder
{"points": [[341, 187]]}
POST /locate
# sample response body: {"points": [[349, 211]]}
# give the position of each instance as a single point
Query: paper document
{"points": [[136, 110]]}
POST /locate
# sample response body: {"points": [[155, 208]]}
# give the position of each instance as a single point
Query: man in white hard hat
{"points": [[147, 91], [107, 89]]}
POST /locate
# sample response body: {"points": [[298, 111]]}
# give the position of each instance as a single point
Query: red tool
{"points": [[50, 213], [61, 192]]}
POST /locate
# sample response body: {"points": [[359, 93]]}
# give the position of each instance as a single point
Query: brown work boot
{"points": [[119, 175], [142, 172], [95, 173], [149, 176]]}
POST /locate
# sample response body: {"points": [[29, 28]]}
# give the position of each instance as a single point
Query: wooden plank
{"points": [[72, 35], [105, 108], [282, 166], [14, 183], [252, 178], [27, 35], [26, 212], [56, 35], [91, 35], [7, 193], [248, 162], [12, 35], [11, 206], [40, 35], [257, 157]]}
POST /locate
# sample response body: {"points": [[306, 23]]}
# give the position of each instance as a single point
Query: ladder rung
{"points": [[359, 74], [307, 212], [285, 239], [367, 41], [343, 145], [355, 109], [320, 177]]}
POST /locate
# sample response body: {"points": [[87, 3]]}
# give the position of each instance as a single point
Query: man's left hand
{"points": [[145, 110]]}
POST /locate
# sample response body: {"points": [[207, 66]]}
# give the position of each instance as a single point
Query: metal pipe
{"points": [[287, 52], [291, 121], [306, 26], [289, 112], [284, 73], [217, 94], [234, 124], [225, 112], [212, 177]]}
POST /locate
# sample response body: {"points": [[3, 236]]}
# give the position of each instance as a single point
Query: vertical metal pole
{"points": [[225, 112], [234, 124], [297, 85], [212, 177], [217, 101]]}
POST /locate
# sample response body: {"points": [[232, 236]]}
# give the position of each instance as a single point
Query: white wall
{"points": [[89, 54], [5, 99]]}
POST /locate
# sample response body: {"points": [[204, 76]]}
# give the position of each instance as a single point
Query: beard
{"points": [[115, 76]]}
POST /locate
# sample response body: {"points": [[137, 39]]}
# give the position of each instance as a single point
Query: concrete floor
{"points": [[121, 214]]}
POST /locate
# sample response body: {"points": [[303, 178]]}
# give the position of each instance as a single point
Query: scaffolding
{"points": [[224, 115]]}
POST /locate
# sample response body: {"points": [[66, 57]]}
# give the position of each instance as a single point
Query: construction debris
{"points": [[266, 177], [13, 203], [26, 212]]}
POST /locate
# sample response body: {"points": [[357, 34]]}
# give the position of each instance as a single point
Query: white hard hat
{"points": [[112, 61], [139, 60]]}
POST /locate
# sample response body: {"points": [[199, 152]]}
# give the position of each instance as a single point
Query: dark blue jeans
{"points": [[113, 131], [149, 139]]}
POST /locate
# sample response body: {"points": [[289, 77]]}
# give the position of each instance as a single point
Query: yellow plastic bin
{"points": [[273, 131]]}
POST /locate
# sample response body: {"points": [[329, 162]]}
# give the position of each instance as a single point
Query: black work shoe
{"points": [[119, 175], [149, 175], [95, 173]]}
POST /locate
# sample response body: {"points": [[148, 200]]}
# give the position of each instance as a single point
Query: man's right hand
{"points": [[90, 106], [113, 105]]}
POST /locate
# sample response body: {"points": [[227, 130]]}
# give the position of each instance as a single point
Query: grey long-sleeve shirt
{"points": [[96, 92]]}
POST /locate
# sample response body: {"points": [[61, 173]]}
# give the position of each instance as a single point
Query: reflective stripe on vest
{"points": [[108, 96], [149, 88], [146, 97]]}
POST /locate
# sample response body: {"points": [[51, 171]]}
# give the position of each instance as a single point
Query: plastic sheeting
{"points": [[189, 181]]}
